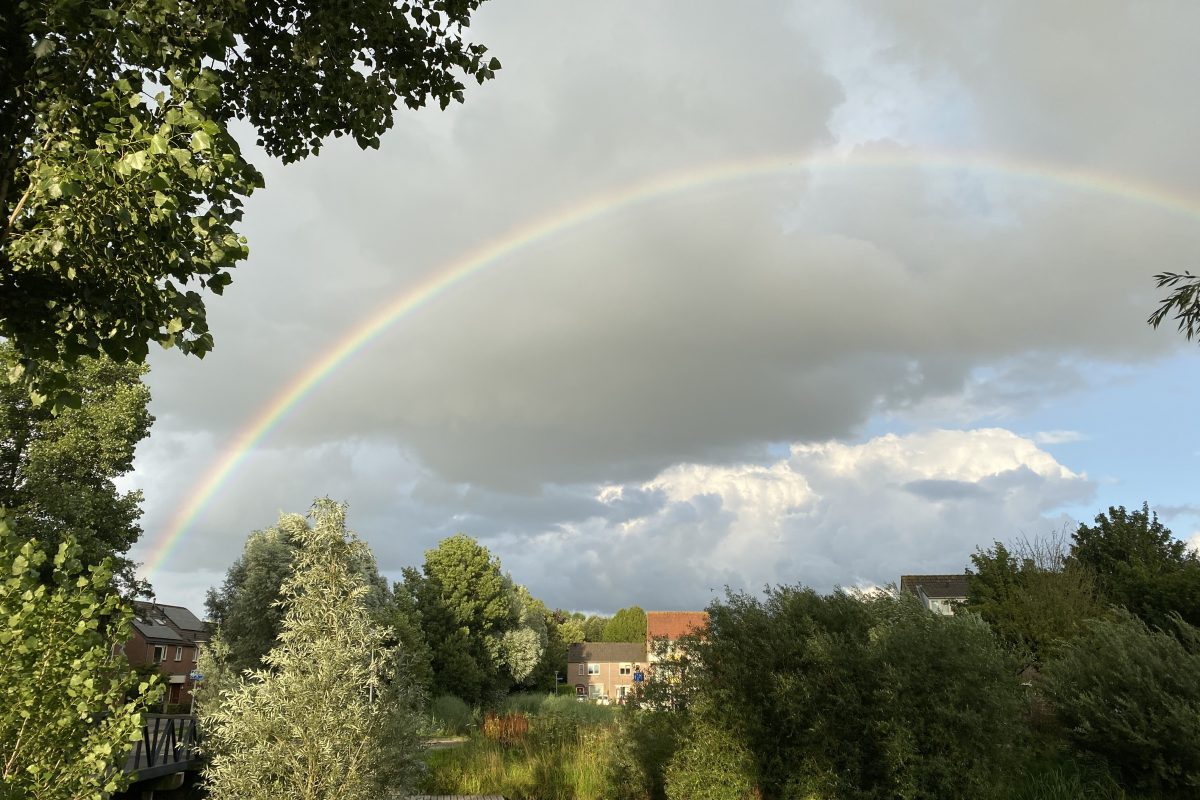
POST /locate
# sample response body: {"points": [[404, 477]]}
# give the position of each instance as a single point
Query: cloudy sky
{"points": [[893, 308]]}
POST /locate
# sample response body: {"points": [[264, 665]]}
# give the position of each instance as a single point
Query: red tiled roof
{"points": [[673, 624]]}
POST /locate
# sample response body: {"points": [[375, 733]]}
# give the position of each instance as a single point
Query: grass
{"points": [[537, 769]]}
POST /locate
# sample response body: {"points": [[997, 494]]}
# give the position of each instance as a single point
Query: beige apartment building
{"points": [[605, 670]]}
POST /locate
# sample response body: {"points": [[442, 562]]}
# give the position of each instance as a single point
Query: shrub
{"points": [[711, 764], [1130, 695], [646, 740], [507, 729], [858, 698], [451, 716], [527, 703]]}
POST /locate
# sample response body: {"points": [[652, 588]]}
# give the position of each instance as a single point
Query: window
{"points": [[596, 690], [581, 669], [626, 669], [160, 654], [593, 669], [178, 653]]}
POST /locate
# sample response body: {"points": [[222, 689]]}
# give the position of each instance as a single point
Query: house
{"points": [[605, 671], [938, 593], [672, 625], [169, 636]]}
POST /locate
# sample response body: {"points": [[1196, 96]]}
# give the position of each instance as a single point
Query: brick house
{"points": [[169, 636], [605, 671], [938, 593]]}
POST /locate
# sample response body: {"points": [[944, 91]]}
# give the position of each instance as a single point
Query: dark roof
{"points": [[184, 619], [936, 586], [612, 652], [153, 632], [182, 623], [673, 624]]}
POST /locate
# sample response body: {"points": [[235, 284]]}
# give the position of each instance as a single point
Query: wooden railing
{"points": [[168, 744]]}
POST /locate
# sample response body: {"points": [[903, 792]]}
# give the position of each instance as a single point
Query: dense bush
{"points": [[859, 698], [1130, 694], [527, 703], [710, 764], [646, 740], [450, 716]]}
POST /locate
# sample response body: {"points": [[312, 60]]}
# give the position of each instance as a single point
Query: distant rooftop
{"points": [[673, 624], [609, 652], [937, 587]]}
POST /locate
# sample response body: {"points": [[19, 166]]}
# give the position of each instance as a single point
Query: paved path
{"points": [[442, 742]]}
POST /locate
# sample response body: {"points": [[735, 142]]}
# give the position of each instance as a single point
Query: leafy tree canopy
{"points": [[1139, 564], [467, 606], [121, 185], [1033, 596], [852, 697], [627, 625], [332, 714], [247, 607], [66, 725], [57, 473]]}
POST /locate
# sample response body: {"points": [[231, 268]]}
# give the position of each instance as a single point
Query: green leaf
{"points": [[135, 161], [201, 141]]}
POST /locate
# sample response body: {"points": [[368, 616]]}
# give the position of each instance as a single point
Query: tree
{"points": [[58, 473], [1184, 300], [562, 631], [627, 625], [66, 726], [850, 697], [247, 607], [1140, 565], [332, 714], [467, 606], [593, 627], [524, 646], [1129, 694], [1034, 597], [121, 184]]}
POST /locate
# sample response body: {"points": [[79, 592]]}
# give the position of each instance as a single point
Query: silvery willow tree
{"points": [[332, 714], [121, 185]]}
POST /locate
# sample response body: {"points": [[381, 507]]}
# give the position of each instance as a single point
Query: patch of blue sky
{"points": [[1131, 429]]}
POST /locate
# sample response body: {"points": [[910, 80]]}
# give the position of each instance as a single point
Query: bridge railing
{"points": [[169, 744]]}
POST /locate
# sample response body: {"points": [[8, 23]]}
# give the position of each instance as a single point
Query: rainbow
{"points": [[589, 210]]}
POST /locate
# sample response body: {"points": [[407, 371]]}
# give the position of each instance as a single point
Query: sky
{"points": [[820, 293]]}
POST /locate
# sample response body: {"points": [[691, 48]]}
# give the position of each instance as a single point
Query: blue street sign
{"points": [[196, 675]]}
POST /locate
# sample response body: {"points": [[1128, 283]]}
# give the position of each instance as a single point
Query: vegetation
{"points": [[1140, 565], [563, 754], [331, 714], [247, 608], [1034, 596], [58, 473], [485, 632], [121, 185], [627, 625], [1128, 693], [71, 706]]}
